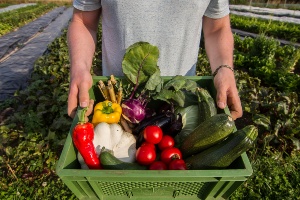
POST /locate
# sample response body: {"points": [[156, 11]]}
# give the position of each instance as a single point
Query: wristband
{"points": [[216, 71]]}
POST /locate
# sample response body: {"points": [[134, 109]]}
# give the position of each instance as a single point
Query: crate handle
{"points": [[176, 193], [129, 194]]}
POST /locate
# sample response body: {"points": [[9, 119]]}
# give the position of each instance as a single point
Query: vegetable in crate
{"points": [[169, 154], [190, 120], [158, 165], [106, 111], [166, 142], [193, 115], [150, 121], [109, 161], [113, 137], [145, 154], [177, 164], [168, 122], [153, 134], [139, 66], [206, 103], [83, 136], [223, 154], [179, 91], [208, 133]]}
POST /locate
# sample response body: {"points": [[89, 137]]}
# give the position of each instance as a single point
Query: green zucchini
{"points": [[197, 114], [208, 133], [109, 161], [206, 104], [223, 154]]}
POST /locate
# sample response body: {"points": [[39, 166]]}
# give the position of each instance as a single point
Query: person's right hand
{"points": [[80, 83], [227, 93]]}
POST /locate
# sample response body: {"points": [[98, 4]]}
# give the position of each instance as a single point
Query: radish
{"points": [[133, 110], [139, 66]]}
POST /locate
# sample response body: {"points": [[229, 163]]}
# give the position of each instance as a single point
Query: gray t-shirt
{"points": [[174, 26]]}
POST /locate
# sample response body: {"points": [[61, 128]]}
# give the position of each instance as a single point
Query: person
{"points": [[175, 27]]}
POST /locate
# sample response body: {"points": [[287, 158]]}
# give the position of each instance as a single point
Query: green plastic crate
{"points": [[150, 184]]}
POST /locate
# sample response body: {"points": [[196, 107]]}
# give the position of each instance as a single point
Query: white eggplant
{"points": [[114, 138]]}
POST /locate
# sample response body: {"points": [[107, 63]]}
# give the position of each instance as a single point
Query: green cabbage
{"points": [[190, 120]]}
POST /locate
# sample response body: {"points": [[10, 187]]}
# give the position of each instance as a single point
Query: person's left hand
{"points": [[227, 93]]}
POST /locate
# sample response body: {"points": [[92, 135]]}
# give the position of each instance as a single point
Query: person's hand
{"points": [[80, 83], [227, 93]]}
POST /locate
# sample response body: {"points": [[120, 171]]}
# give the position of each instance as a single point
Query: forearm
{"points": [[81, 42], [219, 44]]}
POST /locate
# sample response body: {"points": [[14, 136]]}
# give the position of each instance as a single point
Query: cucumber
{"points": [[206, 105], [223, 154], [208, 133], [109, 161]]}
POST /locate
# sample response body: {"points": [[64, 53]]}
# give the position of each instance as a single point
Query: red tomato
{"points": [[166, 142], [158, 165], [145, 155], [169, 154], [153, 134], [177, 164], [150, 144]]}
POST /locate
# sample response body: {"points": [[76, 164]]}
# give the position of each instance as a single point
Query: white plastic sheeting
{"points": [[283, 15]]}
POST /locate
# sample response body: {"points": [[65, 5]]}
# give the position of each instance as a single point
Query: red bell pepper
{"points": [[83, 136]]}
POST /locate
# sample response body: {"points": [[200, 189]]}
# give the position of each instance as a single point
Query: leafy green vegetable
{"points": [[190, 120], [140, 65], [180, 91]]}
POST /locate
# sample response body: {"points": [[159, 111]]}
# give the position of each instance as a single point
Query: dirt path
{"points": [[20, 49]]}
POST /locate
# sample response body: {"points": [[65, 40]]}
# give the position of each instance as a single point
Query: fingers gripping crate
{"points": [[150, 184]]}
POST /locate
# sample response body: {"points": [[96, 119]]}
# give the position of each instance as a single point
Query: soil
{"points": [[245, 120]]}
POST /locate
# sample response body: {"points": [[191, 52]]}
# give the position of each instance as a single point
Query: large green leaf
{"points": [[140, 64], [181, 83], [154, 81], [262, 120], [179, 90]]}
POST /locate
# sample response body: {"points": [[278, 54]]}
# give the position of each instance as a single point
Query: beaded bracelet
{"points": [[216, 71]]}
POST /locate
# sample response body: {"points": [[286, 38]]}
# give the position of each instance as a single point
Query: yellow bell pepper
{"points": [[107, 111]]}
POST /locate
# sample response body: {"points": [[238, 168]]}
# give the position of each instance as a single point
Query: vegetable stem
{"points": [[113, 80], [81, 115], [120, 94], [125, 125], [111, 92], [138, 75], [103, 90]]}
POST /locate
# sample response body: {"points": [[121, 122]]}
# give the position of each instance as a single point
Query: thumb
{"points": [[221, 99], [84, 95]]}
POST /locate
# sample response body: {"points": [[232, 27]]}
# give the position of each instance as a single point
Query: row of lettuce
{"points": [[267, 78], [280, 30], [14, 19]]}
